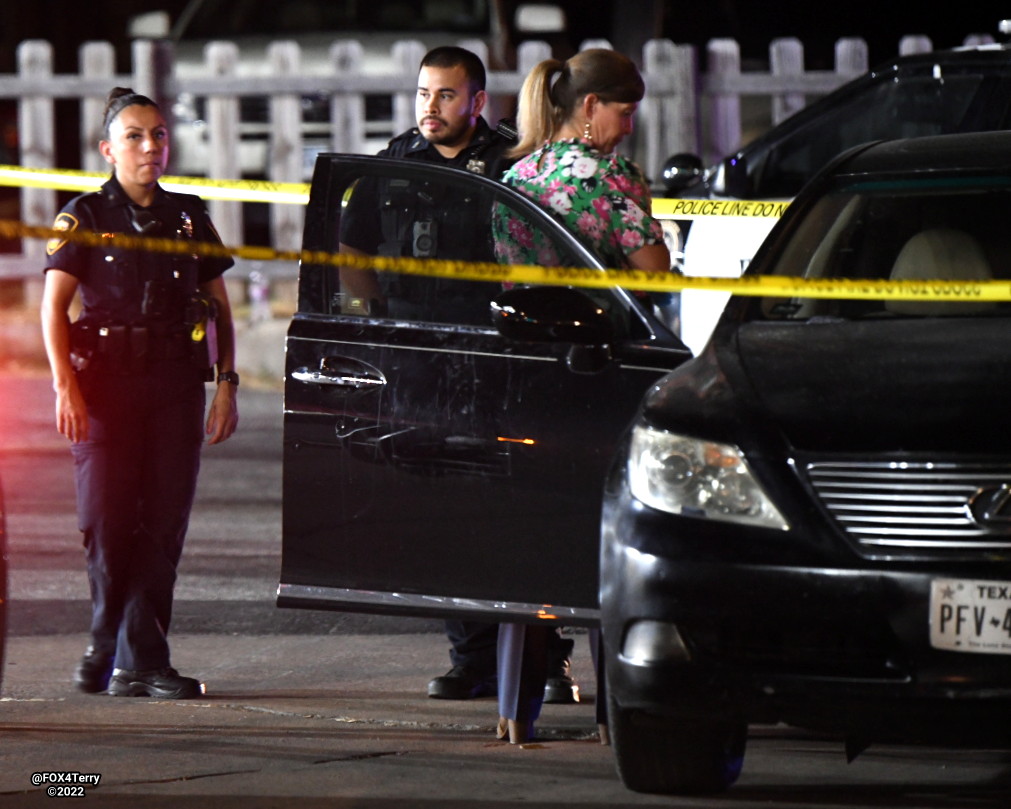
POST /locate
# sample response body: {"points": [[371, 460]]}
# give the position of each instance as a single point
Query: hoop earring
{"points": [[586, 133]]}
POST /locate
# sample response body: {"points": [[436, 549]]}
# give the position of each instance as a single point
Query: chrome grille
{"points": [[911, 505]]}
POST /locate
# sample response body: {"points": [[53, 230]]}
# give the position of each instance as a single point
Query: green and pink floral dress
{"points": [[603, 198]]}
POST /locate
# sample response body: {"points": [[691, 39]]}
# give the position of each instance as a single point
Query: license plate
{"points": [[969, 615]]}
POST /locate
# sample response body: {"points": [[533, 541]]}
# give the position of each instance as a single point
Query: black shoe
{"points": [[93, 672], [461, 682], [161, 683], [560, 688]]}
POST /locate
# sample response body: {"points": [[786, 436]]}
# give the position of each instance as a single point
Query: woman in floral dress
{"points": [[572, 116]]}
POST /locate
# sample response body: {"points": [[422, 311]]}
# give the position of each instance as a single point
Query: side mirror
{"points": [[682, 171], [551, 315]]}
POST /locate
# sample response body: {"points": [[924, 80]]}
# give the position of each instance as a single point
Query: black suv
{"points": [[804, 523], [810, 523]]}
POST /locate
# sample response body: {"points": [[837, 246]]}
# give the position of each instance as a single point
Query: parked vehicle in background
{"points": [[949, 91], [315, 25], [810, 522]]}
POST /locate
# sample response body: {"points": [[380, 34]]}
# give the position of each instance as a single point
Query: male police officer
{"points": [[397, 218]]}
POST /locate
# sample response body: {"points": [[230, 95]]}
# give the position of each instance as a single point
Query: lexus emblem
{"points": [[991, 507]]}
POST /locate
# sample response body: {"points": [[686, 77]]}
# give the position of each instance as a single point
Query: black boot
{"points": [[93, 672], [560, 688], [461, 682], [164, 683]]}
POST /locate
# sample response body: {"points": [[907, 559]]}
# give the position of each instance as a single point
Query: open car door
{"points": [[434, 465]]}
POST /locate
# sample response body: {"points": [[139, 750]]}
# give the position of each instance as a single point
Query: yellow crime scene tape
{"points": [[768, 285], [298, 193], [700, 208], [236, 190], [760, 286]]}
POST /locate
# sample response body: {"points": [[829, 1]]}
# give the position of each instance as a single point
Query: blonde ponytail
{"points": [[545, 106], [536, 116]]}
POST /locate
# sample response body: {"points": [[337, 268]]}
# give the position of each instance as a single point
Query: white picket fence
{"points": [[685, 110]]}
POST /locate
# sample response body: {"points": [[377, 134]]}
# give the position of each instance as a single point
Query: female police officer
{"points": [[129, 379]]}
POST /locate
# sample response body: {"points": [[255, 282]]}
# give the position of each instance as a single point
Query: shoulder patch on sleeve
{"points": [[64, 221]]}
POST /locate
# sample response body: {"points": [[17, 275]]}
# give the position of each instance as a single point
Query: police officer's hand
{"points": [[71, 412], [223, 416]]}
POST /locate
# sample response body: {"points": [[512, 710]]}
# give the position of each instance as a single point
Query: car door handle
{"points": [[342, 372]]}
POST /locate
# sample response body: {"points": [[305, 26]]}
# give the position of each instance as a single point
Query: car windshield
{"points": [[912, 106], [940, 228], [206, 19]]}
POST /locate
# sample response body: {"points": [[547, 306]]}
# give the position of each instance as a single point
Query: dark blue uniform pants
{"points": [[136, 477]]}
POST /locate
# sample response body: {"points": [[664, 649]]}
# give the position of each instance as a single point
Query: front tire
{"points": [[675, 757]]}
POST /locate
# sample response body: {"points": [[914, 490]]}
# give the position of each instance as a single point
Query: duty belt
{"points": [[128, 348]]}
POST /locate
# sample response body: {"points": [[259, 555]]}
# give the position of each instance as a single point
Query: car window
{"points": [[397, 211], [914, 106], [415, 218], [939, 228]]}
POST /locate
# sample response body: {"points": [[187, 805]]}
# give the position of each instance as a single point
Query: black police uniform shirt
{"points": [[364, 228], [113, 279]]}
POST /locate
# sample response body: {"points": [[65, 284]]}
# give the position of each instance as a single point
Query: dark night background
{"points": [[626, 23], [67, 24]]}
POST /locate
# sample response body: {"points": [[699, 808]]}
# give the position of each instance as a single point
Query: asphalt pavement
{"points": [[299, 704], [342, 719], [310, 709]]}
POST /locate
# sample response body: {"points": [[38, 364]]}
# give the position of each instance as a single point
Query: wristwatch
{"points": [[229, 376]]}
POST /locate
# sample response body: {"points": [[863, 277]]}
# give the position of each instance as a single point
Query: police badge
{"points": [[63, 222], [186, 228]]}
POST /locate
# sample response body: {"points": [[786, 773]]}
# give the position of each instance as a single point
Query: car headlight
{"points": [[696, 478]]}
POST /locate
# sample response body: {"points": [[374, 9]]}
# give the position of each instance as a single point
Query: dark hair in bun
{"points": [[119, 99]]}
